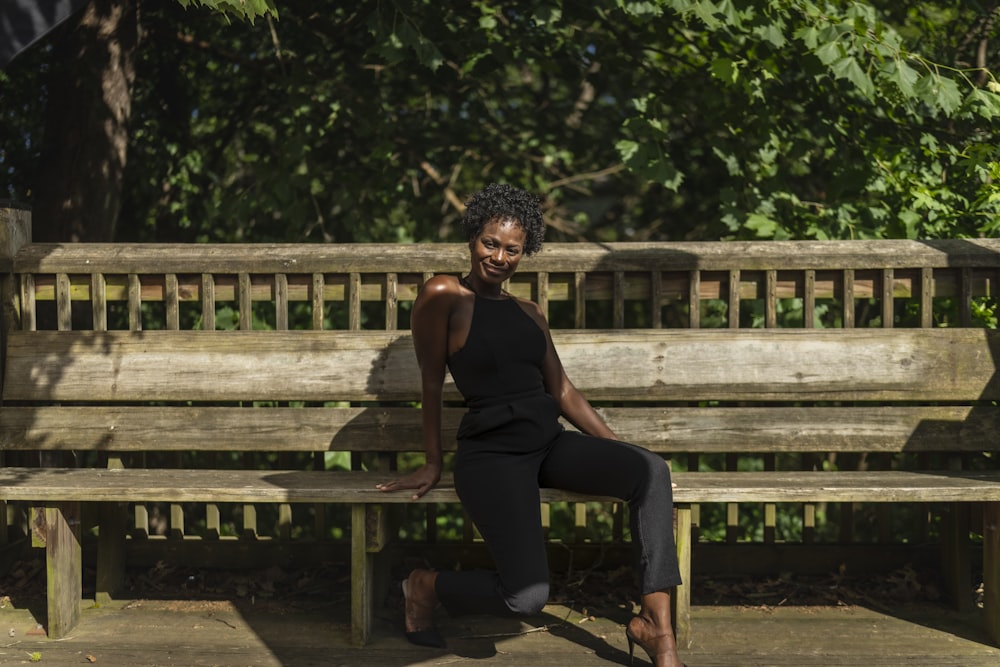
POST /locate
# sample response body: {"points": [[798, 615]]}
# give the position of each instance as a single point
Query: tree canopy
{"points": [[645, 120]]}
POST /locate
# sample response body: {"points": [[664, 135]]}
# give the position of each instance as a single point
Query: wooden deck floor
{"points": [[190, 633]]}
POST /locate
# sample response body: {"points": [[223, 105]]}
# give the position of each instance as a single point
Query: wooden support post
{"points": [[682, 595], [63, 567], [955, 558], [361, 585], [367, 538], [991, 570], [111, 551], [113, 522]]}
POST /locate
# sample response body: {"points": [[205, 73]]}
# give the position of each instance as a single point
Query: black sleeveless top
{"points": [[502, 356]]}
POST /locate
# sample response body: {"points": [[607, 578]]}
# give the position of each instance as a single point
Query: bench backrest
{"points": [[162, 390]]}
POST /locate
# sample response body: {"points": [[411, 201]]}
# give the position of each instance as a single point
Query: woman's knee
{"points": [[657, 469], [529, 600]]}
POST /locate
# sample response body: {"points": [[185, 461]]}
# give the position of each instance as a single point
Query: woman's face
{"points": [[497, 250]]}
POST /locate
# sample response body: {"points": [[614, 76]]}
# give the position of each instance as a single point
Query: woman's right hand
{"points": [[421, 480]]}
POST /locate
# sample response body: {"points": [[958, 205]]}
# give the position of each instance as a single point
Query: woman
{"points": [[510, 443]]}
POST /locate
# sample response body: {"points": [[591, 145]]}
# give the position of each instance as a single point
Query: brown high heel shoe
{"points": [[426, 635], [658, 646]]}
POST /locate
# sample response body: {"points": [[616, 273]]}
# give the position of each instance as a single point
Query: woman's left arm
{"points": [[572, 404]]}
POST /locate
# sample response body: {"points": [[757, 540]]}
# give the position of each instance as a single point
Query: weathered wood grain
{"points": [[395, 429], [234, 258], [297, 486], [631, 364]]}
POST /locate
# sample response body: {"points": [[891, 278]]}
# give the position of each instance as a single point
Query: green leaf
{"points": [[904, 77], [986, 103], [848, 68], [762, 225], [809, 36], [725, 69], [829, 53]]}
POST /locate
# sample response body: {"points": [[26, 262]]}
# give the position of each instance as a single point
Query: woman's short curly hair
{"points": [[499, 201]]}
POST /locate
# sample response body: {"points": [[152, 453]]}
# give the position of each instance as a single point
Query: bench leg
{"points": [[63, 567], [111, 551], [369, 536], [362, 566], [682, 596], [991, 570], [956, 558]]}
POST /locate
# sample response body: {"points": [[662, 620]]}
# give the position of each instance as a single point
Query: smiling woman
{"points": [[511, 443]]}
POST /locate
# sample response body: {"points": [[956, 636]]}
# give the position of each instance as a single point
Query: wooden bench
{"points": [[131, 404]]}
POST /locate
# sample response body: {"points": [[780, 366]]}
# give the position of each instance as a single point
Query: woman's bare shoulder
{"points": [[441, 282], [440, 290]]}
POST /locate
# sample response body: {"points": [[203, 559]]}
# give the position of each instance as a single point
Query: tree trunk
{"points": [[78, 191]]}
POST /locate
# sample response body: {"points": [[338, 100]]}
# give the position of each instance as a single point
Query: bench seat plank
{"points": [[295, 486]]}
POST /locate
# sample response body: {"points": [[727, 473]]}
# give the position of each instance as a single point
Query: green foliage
{"points": [[242, 9], [638, 120]]}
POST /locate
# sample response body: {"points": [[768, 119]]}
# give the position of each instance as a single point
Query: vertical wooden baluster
{"points": [[656, 299], [29, 306], [542, 292], [318, 301], [134, 302], [173, 301], [208, 302], [848, 298], [771, 299], [888, 299], [354, 301], [64, 303], [391, 301], [580, 300], [809, 299], [618, 301], [926, 297], [694, 299], [245, 302], [965, 305], [99, 301], [734, 299], [281, 304]]}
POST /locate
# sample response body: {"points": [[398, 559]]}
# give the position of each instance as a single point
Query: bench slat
{"points": [[249, 486], [637, 365], [153, 258], [388, 429]]}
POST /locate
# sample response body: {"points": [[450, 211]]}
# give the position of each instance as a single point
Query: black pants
{"points": [[506, 452]]}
